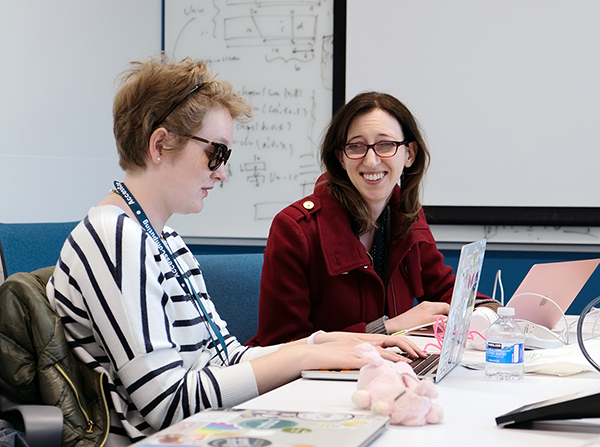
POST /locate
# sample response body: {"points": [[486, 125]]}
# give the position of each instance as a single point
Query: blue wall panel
{"points": [[513, 264]]}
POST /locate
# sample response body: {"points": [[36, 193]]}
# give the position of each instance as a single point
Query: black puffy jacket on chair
{"points": [[37, 366]]}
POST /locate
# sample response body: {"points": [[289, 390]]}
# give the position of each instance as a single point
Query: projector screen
{"points": [[507, 94]]}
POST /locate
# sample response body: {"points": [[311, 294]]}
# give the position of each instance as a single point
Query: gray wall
{"points": [[59, 60]]}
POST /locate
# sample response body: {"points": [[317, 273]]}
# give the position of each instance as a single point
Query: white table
{"points": [[470, 403]]}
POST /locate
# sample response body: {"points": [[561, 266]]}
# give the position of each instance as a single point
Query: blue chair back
{"points": [[232, 280], [233, 283], [25, 247]]}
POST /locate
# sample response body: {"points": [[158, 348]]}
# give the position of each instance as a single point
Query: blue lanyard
{"points": [[182, 279]]}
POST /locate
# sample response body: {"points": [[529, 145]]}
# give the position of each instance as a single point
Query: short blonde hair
{"points": [[148, 90]]}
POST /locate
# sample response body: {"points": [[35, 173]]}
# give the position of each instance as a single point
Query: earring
{"points": [[157, 158]]}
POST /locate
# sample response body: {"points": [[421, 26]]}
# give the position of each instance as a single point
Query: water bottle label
{"points": [[498, 352]]}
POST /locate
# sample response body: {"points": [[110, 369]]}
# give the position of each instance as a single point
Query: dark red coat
{"points": [[317, 274]]}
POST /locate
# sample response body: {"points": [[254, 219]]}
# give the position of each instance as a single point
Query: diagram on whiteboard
{"points": [[278, 54]]}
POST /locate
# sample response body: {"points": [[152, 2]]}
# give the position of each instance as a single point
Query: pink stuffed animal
{"points": [[394, 390]]}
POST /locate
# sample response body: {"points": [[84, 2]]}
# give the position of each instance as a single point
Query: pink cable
{"points": [[472, 334], [439, 329]]}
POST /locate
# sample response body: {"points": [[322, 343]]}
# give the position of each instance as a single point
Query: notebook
{"points": [[559, 281], [256, 428], [437, 366]]}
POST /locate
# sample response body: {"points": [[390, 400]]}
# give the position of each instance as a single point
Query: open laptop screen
{"points": [[558, 281]]}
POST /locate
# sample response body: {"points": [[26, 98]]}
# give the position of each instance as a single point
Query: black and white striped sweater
{"points": [[124, 313]]}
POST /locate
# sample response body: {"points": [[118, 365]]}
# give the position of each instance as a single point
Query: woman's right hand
{"points": [[286, 364], [332, 350], [424, 313]]}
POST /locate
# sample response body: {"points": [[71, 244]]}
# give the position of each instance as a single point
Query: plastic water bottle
{"points": [[504, 353]]}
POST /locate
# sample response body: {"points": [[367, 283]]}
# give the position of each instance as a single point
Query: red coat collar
{"points": [[341, 249]]}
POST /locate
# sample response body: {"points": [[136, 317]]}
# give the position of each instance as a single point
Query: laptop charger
{"points": [[536, 336], [539, 337]]}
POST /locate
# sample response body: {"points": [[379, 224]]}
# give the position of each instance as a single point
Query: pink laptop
{"points": [[559, 281]]}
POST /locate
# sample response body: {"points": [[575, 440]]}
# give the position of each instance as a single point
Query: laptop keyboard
{"points": [[422, 366]]}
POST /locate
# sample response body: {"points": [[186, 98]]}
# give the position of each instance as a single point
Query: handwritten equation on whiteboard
{"points": [[278, 54]]}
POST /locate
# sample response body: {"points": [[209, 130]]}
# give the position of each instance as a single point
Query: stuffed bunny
{"points": [[394, 390]]}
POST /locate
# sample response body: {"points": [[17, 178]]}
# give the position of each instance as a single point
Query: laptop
{"points": [[437, 366], [256, 428], [581, 405], [559, 281]]}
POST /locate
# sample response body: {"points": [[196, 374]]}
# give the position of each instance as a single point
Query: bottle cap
{"points": [[506, 311]]}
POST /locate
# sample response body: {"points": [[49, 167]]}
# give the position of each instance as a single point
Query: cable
{"points": [[565, 339], [562, 336], [580, 332], [597, 312], [591, 313], [498, 280], [580, 320]]}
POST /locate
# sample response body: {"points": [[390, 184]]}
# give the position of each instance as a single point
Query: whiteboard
{"points": [[507, 92], [278, 55]]}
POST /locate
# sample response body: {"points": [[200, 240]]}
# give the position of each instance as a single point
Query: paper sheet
{"points": [[564, 361]]}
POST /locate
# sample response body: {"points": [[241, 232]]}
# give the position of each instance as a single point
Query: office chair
{"points": [[3, 274], [233, 283], [25, 247], [42, 424]]}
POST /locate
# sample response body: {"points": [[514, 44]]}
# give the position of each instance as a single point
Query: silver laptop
{"points": [[436, 366]]}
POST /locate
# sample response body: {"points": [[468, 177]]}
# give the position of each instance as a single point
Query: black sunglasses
{"points": [[218, 157]]}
